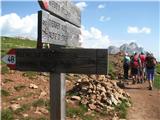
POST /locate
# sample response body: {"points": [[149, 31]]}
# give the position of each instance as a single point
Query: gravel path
{"points": [[145, 103]]}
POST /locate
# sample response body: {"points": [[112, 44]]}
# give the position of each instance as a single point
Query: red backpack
{"points": [[143, 59], [135, 61]]}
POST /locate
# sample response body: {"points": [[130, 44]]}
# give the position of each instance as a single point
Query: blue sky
{"points": [[104, 23]]}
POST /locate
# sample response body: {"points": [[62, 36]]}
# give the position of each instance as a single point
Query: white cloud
{"points": [[104, 18], [14, 25], [101, 6], [146, 30], [135, 29], [81, 5], [93, 38]]}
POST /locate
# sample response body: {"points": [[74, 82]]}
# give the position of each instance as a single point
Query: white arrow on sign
{"points": [[10, 59]]}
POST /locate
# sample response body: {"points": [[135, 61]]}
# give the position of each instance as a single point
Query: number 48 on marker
{"points": [[9, 59]]}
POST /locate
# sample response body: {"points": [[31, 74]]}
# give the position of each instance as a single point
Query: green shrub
{"points": [[113, 76], [122, 109], [4, 92], [42, 118], [110, 67], [41, 102], [4, 69], [7, 114], [23, 108], [77, 111], [111, 70], [158, 68], [157, 81]]}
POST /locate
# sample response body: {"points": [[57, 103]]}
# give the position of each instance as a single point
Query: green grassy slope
{"points": [[9, 42], [157, 77]]}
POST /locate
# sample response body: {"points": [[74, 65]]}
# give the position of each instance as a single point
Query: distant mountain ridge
{"points": [[129, 48]]}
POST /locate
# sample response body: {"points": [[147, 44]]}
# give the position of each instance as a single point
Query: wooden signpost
{"points": [[58, 25]]}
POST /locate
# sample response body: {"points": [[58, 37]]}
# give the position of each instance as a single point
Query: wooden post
{"points": [[57, 96]]}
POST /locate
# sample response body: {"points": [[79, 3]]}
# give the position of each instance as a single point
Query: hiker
{"points": [[131, 66], [135, 64], [126, 64], [150, 69], [142, 57]]}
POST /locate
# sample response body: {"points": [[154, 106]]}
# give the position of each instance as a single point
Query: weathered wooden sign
{"points": [[63, 9], [55, 31], [84, 61]]}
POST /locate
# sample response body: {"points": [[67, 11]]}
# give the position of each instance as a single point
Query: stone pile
{"points": [[98, 93]]}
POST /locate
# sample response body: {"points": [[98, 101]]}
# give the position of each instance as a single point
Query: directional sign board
{"points": [[63, 9], [55, 31], [85, 61]]}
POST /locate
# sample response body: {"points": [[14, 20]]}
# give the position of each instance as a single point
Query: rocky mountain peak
{"points": [[133, 45], [130, 48]]}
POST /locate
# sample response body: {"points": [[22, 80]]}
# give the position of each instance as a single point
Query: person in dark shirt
{"points": [[126, 64], [150, 69]]}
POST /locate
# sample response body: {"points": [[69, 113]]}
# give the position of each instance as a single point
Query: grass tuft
{"points": [[122, 109], [157, 82], [41, 102], [7, 114], [79, 111], [19, 87], [111, 70], [4, 70], [23, 108], [157, 77], [158, 68], [4, 92], [30, 75], [42, 118], [7, 80], [28, 118]]}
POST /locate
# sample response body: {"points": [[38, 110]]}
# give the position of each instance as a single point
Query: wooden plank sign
{"points": [[63, 9], [53, 30], [85, 61]]}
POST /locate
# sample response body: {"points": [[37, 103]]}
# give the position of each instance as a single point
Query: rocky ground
{"points": [[24, 97], [27, 96]]}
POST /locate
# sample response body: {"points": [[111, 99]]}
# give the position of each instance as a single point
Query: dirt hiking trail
{"points": [[145, 103]]}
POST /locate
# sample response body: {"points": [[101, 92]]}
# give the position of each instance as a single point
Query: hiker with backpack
{"points": [[131, 67], [150, 69], [142, 57], [135, 65], [126, 65]]}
